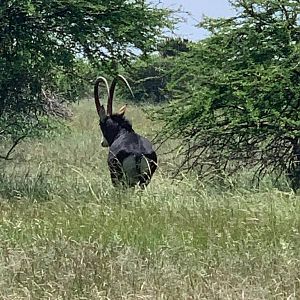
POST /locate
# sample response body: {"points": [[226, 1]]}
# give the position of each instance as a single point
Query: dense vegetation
{"points": [[237, 94], [45, 45]]}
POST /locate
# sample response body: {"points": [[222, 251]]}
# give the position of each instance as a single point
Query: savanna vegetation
{"points": [[66, 233], [222, 111], [235, 95]]}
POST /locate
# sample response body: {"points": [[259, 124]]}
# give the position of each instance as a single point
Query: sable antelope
{"points": [[131, 158]]}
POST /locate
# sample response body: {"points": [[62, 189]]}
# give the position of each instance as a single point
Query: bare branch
{"points": [[16, 142]]}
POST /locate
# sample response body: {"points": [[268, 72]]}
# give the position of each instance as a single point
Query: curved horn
{"points": [[96, 93], [112, 91]]}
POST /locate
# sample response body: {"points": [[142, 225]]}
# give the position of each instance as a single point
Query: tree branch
{"points": [[16, 142]]}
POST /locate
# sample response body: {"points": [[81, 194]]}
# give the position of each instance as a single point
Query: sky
{"points": [[198, 8]]}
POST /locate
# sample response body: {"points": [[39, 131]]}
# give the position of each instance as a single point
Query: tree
{"points": [[237, 93], [171, 47], [42, 40], [150, 76]]}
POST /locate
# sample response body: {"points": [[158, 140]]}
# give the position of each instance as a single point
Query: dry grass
{"points": [[67, 234]]}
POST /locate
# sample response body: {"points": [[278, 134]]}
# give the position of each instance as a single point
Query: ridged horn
{"points": [[112, 91], [99, 106]]}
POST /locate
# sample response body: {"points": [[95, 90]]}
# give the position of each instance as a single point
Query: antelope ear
{"points": [[122, 110]]}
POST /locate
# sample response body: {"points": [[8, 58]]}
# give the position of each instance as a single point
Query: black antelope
{"points": [[131, 158]]}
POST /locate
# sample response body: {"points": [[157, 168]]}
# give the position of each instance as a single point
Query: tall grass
{"points": [[67, 234]]}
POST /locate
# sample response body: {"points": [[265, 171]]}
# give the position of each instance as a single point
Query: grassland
{"points": [[65, 233]]}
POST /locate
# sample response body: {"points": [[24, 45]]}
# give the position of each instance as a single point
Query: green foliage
{"points": [[150, 77], [237, 93], [171, 47], [41, 43], [74, 85]]}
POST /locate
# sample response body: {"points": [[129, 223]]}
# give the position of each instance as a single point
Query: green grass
{"points": [[65, 233]]}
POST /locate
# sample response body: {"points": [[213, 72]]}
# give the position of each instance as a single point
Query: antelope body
{"points": [[131, 158]]}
